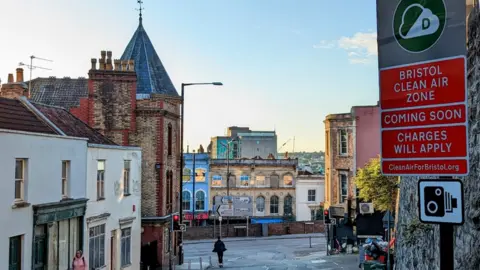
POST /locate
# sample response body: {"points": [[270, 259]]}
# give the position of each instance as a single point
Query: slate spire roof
{"points": [[151, 74]]}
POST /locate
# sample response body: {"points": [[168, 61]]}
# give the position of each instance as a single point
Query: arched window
{"points": [[170, 139], [274, 205], [187, 174], [287, 205], [186, 200], [287, 180], [260, 202], [200, 200]]}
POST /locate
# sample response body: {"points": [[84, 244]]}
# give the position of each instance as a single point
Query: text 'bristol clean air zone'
{"points": [[433, 83]]}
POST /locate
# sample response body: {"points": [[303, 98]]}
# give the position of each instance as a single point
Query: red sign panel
{"points": [[199, 215], [425, 142], [433, 83], [424, 118], [451, 114]]}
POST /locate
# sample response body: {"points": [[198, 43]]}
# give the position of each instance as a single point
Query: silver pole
{"points": [[247, 226]]}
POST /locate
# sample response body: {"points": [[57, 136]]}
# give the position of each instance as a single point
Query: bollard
{"points": [[201, 265], [189, 264], [310, 239], [210, 259], [173, 266]]}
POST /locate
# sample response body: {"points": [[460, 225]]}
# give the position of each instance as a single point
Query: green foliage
{"points": [[375, 187]]}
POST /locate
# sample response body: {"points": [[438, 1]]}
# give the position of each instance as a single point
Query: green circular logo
{"points": [[419, 24]]}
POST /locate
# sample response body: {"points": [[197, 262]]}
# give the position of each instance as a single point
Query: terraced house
{"points": [[132, 101]]}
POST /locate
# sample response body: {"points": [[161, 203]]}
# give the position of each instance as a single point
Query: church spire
{"points": [[140, 2]]}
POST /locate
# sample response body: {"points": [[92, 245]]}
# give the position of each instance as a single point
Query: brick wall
{"points": [[207, 232]]}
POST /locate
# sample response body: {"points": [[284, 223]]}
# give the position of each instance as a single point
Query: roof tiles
{"points": [[151, 74], [15, 116]]}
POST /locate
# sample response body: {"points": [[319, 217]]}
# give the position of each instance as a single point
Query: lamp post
{"points": [[180, 258]]}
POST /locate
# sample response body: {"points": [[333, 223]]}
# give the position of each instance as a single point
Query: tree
{"points": [[375, 187]]}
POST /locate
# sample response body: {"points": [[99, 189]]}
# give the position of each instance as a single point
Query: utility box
{"points": [[264, 229]]}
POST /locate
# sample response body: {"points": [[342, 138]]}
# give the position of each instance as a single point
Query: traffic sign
{"points": [[423, 94], [441, 201], [183, 227], [418, 25]]}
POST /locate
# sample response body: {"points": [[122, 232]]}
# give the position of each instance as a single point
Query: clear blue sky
{"points": [[285, 63]]}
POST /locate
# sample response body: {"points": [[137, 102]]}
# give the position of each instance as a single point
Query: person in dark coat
{"points": [[219, 248]]}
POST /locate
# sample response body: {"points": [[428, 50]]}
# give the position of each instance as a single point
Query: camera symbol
{"points": [[438, 202]]}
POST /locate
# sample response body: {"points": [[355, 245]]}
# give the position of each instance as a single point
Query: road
{"points": [[271, 254]]}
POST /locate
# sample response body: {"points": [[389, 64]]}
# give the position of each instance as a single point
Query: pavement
{"points": [[267, 253]]}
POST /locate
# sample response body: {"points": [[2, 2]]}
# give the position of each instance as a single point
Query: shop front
{"points": [[200, 218], [58, 233]]}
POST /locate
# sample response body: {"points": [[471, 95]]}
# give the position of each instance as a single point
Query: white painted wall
{"points": [[44, 156], [303, 184], [115, 203]]}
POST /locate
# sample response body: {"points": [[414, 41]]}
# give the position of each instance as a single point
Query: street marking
{"points": [[319, 261]]}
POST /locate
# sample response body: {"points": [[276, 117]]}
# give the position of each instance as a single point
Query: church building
{"points": [[133, 102]]}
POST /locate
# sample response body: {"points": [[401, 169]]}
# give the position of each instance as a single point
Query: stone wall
{"points": [[236, 230]]}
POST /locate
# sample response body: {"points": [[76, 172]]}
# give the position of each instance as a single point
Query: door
{"points": [[15, 253], [63, 246], [40, 248]]}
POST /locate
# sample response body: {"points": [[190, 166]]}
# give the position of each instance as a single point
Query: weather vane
{"points": [[140, 2]]}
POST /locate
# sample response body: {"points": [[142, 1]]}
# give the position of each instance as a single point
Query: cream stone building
{"points": [[270, 182]]}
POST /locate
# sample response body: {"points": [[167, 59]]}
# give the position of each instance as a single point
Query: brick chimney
{"points": [[13, 89]]}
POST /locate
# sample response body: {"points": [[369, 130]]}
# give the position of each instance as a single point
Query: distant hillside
{"points": [[316, 160]]}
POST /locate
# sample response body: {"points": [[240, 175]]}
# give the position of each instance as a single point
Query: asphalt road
{"points": [[271, 254]]}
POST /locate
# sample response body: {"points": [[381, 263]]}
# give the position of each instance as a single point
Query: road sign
{"points": [[233, 206], [418, 25], [441, 201], [413, 47], [183, 227], [423, 95]]}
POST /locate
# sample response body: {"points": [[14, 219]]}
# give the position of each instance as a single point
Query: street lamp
{"points": [[180, 258]]}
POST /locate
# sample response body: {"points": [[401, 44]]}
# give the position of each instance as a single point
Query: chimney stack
{"points": [[103, 54], [10, 78], [19, 74], [94, 63], [109, 61], [124, 65], [131, 65], [117, 64]]}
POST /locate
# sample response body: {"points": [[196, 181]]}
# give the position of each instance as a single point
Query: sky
{"points": [[285, 64]]}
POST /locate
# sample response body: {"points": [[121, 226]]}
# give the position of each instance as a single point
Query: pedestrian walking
{"points": [[78, 262], [219, 248]]}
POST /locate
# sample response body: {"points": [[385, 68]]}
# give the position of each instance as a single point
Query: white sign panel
{"points": [[441, 201]]}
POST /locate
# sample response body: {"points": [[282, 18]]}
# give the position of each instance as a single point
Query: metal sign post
{"points": [[423, 104]]}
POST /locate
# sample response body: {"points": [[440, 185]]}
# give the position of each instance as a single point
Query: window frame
{"points": [[126, 251], [126, 176], [285, 176], [285, 205], [101, 179], [65, 178], [242, 180], [256, 204], [200, 201], [20, 180], [99, 241], [187, 174], [17, 255], [310, 195], [169, 140], [264, 180], [342, 139], [215, 181], [273, 205], [342, 197], [189, 201]]}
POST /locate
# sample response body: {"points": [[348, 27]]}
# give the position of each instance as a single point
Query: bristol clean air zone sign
{"points": [[421, 45]]}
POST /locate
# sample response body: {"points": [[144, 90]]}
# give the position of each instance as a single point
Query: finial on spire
{"points": [[140, 2]]}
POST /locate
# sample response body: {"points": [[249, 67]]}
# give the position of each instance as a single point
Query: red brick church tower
{"points": [[132, 101]]}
